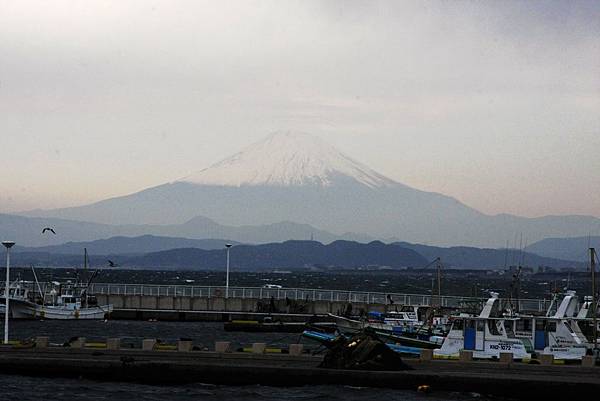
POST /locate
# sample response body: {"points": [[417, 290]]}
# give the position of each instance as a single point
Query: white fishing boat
{"points": [[67, 302], [558, 334], [18, 293], [585, 319], [485, 335], [55, 300]]}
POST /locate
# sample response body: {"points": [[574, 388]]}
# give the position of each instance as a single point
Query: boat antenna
{"points": [[438, 264], [514, 291], [520, 258], [506, 255], [523, 253]]}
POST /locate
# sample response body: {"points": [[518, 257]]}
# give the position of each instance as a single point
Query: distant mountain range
{"points": [[27, 231], [296, 177], [485, 258], [128, 245], [566, 248], [288, 254], [151, 252]]}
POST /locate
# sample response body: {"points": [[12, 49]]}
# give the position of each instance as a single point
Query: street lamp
{"points": [[8, 245], [227, 275]]}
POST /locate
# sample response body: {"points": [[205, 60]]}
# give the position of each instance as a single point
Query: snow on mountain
{"points": [[287, 159], [299, 178]]}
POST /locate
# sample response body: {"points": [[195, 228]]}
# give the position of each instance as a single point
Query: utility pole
{"points": [[594, 300], [8, 245], [227, 273]]}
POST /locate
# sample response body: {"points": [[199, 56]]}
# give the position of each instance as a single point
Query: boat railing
{"points": [[301, 294]]}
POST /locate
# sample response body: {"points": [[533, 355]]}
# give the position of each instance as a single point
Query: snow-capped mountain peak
{"points": [[287, 159]]}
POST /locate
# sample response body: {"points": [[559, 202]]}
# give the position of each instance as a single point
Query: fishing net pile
{"points": [[364, 351]]}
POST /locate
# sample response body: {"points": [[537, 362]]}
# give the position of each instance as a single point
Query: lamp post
{"points": [[8, 245], [227, 274]]}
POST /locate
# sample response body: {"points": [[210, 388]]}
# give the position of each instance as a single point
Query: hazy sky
{"points": [[495, 103]]}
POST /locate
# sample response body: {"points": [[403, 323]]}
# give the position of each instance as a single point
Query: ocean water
{"points": [[203, 334], [24, 388]]}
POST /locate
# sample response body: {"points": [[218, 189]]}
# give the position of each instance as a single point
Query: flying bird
{"points": [[48, 229], [112, 264]]}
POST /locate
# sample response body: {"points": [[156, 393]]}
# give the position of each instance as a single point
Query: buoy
{"points": [[424, 388]]}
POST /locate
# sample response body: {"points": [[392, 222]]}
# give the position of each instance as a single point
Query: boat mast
{"points": [[439, 282], [42, 295]]}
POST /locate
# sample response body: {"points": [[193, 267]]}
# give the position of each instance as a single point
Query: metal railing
{"points": [[301, 294]]}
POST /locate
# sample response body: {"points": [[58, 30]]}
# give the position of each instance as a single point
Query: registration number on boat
{"points": [[501, 347]]}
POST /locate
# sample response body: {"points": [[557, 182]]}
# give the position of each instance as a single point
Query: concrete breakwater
{"points": [[143, 307], [182, 364], [138, 301]]}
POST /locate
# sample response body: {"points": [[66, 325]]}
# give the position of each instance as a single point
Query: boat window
{"points": [[551, 326], [508, 326], [493, 328], [540, 325], [523, 325], [480, 325], [458, 324]]}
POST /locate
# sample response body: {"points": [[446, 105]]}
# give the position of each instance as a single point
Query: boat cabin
{"points": [[486, 335]]}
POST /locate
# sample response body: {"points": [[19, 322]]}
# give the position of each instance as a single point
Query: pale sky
{"points": [[495, 103]]}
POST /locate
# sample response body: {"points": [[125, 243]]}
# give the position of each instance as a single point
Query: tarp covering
{"points": [[362, 352]]}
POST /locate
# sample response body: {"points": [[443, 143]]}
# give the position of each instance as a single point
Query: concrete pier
{"points": [[190, 302], [172, 367]]}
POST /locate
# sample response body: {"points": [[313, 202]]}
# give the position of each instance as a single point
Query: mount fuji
{"points": [[297, 177]]}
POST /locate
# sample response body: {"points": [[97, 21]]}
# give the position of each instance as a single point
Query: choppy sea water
{"points": [[24, 388], [203, 334]]}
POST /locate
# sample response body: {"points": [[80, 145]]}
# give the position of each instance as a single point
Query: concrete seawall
{"points": [[172, 367], [213, 308]]}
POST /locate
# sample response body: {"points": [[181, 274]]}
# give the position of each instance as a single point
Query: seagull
{"points": [[112, 264], [49, 229]]}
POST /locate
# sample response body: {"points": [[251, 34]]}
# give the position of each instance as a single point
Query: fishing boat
{"points": [[403, 320], [56, 300], [585, 319], [486, 335], [18, 292], [558, 334], [328, 340]]}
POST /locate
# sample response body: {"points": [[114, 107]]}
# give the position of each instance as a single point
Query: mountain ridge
{"points": [[26, 231], [320, 193], [574, 248]]}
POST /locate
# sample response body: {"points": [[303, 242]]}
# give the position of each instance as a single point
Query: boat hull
{"points": [[351, 326], [491, 349], [27, 310]]}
